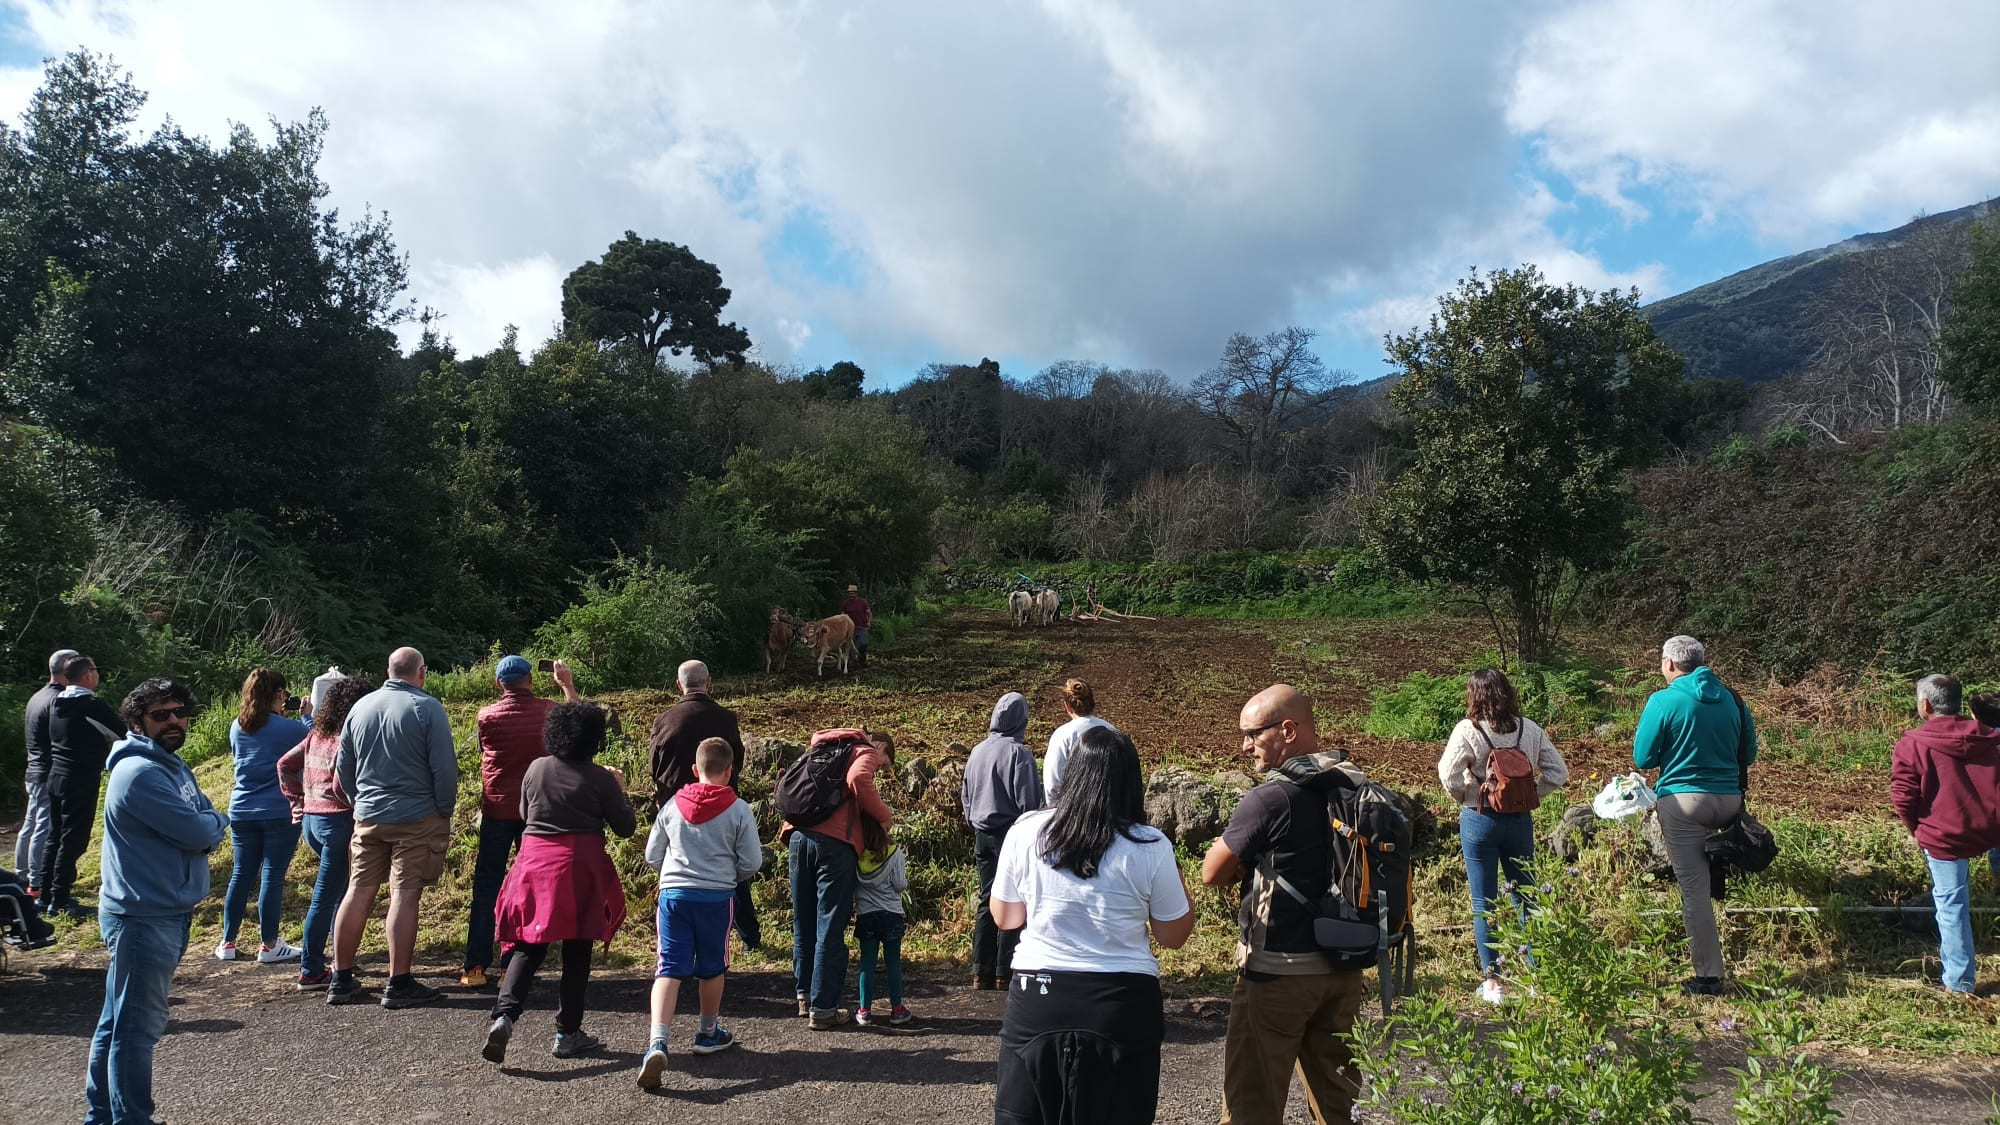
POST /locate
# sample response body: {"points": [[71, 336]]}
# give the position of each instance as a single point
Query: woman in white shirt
{"points": [[1493, 837], [1080, 703], [1084, 881]]}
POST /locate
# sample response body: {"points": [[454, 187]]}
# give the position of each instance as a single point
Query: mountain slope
{"points": [[1754, 325]]}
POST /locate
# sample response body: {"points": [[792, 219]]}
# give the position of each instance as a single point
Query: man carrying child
{"points": [[704, 843]]}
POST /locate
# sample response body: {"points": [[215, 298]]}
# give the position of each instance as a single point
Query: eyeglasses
{"points": [[1255, 731], [162, 714]]}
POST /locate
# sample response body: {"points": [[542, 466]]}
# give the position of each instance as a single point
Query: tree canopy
{"points": [[657, 294], [1527, 403]]}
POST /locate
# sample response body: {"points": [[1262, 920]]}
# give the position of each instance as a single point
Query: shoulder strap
{"points": [[1285, 885], [1742, 740]]}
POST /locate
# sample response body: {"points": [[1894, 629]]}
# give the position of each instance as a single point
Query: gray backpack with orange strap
{"points": [[1370, 861]]}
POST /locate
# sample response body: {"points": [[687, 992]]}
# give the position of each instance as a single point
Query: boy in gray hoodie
{"points": [[704, 843]]}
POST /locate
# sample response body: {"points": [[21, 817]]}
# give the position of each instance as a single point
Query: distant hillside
{"points": [[1752, 325]]}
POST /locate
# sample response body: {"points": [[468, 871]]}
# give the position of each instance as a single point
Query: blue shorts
{"points": [[694, 934]]}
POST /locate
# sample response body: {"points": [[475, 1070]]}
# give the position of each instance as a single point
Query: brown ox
{"points": [[830, 636], [778, 642]]}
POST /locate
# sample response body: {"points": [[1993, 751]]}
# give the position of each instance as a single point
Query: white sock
{"points": [[660, 1032]]}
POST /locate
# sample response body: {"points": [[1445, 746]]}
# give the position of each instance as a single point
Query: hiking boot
{"points": [[983, 984], [653, 1066], [826, 1019], [570, 1044], [277, 954], [343, 988], [713, 1040], [474, 977], [495, 1050], [1702, 986], [315, 982], [225, 951], [900, 1015], [405, 992], [805, 1009]]}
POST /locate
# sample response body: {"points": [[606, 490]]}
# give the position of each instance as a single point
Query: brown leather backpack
{"points": [[1510, 775]]}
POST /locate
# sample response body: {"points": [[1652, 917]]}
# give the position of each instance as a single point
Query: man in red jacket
{"points": [[857, 611], [510, 739], [1944, 780]]}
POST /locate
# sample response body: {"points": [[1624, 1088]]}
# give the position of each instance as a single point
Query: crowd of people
{"points": [[1075, 889]]}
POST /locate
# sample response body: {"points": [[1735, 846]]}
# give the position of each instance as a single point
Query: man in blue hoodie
{"points": [[158, 830], [1698, 734]]}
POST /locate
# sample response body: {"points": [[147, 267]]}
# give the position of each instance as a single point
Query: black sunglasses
{"points": [[162, 714], [1255, 731]]}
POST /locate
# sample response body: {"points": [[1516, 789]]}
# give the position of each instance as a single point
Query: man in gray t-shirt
{"points": [[397, 766]]}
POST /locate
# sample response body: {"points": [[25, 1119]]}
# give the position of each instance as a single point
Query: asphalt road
{"points": [[245, 1047]]}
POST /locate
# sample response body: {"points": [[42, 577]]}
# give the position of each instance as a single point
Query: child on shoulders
{"points": [[704, 843], [878, 921]]}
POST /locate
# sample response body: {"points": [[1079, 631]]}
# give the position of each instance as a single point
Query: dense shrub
{"points": [[1324, 583], [633, 625], [1875, 552]]}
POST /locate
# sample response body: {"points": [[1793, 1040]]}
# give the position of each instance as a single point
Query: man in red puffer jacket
{"points": [[510, 739], [1944, 780]]}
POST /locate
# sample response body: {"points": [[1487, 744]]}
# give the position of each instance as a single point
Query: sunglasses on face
{"points": [[162, 714]]}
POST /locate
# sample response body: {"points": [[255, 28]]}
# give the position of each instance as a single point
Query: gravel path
{"points": [[244, 1046]]}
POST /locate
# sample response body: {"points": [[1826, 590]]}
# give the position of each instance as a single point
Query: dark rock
{"points": [[1191, 810]]}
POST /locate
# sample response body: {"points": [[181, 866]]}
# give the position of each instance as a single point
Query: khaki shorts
{"points": [[409, 857]]}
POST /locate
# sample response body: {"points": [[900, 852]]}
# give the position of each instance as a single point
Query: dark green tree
{"points": [[839, 383], [1971, 340], [657, 294], [1528, 403]]}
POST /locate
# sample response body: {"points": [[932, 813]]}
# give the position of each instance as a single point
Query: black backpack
{"points": [[1370, 860], [814, 787]]}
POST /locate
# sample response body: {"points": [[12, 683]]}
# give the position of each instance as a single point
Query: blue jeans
{"points": [[823, 880], [1949, 892], [498, 839], [328, 835], [144, 953], [1490, 842], [263, 851], [881, 929], [34, 838]]}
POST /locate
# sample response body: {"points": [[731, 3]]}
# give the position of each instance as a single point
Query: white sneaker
{"points": [[225, 951], [273, 954], [1489, 991]]}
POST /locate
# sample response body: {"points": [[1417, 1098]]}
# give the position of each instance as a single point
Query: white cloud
{"points": [[1097, 178], [1801, 116]]}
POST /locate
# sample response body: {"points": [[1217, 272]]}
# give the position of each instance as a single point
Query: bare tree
{"points": [[1262, 387], [1877, 366], [1334, 517], [1091, 526]]}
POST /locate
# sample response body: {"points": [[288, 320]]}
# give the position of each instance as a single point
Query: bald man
{"points": [[397, 767], [1292, 1005], [676, 733]]}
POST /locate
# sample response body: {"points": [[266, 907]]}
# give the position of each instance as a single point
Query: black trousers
{"points": [[521, 968], [72, 811], [747, 926], [1080, 1047], [992, 947]]}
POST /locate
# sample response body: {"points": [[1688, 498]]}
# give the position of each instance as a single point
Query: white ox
{"points": [[1046, 604], [829, 636], [1020, 603]]}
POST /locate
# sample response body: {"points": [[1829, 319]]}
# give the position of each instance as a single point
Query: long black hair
{"points": [[1103, 797]]}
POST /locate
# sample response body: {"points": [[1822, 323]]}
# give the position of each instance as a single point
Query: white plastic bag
{"points": [[1624, 795]]}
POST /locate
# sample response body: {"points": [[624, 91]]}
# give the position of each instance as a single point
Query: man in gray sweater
{"points": [[396, 764], [1000, 784]]}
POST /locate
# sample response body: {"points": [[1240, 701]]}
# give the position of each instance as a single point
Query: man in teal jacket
{"points": [[1698, 734], [158, 830]]}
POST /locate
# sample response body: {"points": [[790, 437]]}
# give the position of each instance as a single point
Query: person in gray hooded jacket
{"points": [[1000, 784]]}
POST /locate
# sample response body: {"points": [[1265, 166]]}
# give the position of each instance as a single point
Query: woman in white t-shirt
{"points": [[1084, 881], [1080, 703]]}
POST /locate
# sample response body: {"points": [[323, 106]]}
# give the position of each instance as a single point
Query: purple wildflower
{"points": [[1548, 888], [1726, 1023], [1572, 872], [1354, 1113], [1516, 1088]]}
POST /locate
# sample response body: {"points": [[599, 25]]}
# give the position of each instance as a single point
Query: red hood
{"points": [[1957, 736], [702, 802]]}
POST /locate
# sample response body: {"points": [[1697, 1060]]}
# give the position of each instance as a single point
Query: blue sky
{"points": [[898, 182]]}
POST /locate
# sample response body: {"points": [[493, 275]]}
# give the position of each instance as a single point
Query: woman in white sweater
{"points": [[1496, 827]]}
